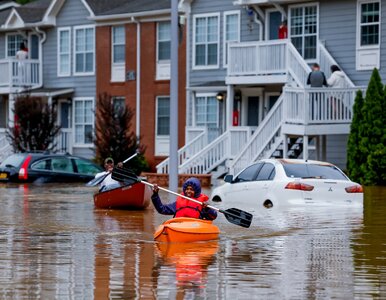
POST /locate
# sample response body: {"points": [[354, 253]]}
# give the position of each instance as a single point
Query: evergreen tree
{"points": [[114, 137], [355, 158], [35, 125], [372, 144]]}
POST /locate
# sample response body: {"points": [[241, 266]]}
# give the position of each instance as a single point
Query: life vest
{"points": [[190, 209]]}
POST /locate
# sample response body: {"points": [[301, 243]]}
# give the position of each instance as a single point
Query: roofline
{"points": [[131, 15], [8, 5], [53, 93]]}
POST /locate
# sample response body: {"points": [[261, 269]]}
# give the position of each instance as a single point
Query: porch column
{"points": [[305, 147], [229, 106], [285, 146], [11, 107]]}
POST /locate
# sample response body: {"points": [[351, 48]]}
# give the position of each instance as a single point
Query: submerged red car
{"points": [[43, 167]]}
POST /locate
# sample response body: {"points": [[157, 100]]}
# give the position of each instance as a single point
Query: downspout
{"points": [[258, 22], [138, 80], [42, 41]]}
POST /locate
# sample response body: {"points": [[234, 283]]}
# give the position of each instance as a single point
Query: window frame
{"points": [[206, 96], [92, 123], [205, 67], [75, 30], [59, 73], [359, 25], [157, 116], [113, 62], [303, 35], [17, 44], [158, 41], [225, 41]]}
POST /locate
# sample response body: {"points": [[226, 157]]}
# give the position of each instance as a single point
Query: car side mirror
{"points": [[228, 178]]}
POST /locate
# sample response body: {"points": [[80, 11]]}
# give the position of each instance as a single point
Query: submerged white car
{"points": [[273, 183]]}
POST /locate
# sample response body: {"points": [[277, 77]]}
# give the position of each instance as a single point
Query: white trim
{"points": [[59, 30], [75, 28], [132, 15], [74, 118], [162, 66], [118, 68], [206, 96], [161, 139], [370, 53], [303, 5], [205, 67], [225, 42], [18, 19]]}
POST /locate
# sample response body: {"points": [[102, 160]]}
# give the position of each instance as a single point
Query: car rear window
{"points": [[313, 171], [14, 160]]}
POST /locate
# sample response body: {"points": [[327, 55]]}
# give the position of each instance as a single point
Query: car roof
{"points": [[296, 161]]}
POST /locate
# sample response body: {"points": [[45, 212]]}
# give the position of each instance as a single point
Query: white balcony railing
{"points": [[15, 73], [313, 106]]}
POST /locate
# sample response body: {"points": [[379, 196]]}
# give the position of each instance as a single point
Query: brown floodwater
{"points": [[55, 245]]}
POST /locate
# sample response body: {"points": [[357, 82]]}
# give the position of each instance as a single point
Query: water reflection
{"points": [[189, 262], [55, 245]]}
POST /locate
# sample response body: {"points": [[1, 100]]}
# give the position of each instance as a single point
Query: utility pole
{"points": [[173, 155]]}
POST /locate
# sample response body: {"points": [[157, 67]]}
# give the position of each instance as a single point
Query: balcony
{"points": [[17, 76]]}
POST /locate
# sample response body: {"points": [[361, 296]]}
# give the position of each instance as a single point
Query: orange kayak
{"points": [[185, 230]]}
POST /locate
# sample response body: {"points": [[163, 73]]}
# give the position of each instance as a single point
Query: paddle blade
{"points": [[238, 217], [96, 181], [124, 175]]}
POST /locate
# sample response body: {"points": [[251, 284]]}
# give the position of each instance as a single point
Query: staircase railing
{"points": [[325, 62], [261, 139], [191, 148], [297, 66], [224, 147], [5, 148]]}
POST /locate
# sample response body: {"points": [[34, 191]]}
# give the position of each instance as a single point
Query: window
{"points": [[267, 172], [163, 42], [64, 51], [207, 114], [13, 44], [84, 120], [249, 173], [62, 164], [206, 40], [231, 31], [84, 49], [85, 167], [119, 106], [118, 44], [304, 30], [369, 23], [163, 116]]}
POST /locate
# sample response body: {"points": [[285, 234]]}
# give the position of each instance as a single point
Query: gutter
{"points": [[131, 16], [42, 41]]}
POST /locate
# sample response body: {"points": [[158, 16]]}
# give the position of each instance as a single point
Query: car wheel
{"points": [[216, 199], [268, 203]]}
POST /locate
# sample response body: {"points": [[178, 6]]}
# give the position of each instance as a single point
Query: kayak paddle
{"points": [[233, 215]]}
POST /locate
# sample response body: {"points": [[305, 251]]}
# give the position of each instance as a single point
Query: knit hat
{"points": [[109, 160]]}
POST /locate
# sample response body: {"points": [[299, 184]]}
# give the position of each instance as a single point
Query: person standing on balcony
{"points": [[283, 30], [316, 79], [336, 79], [21, 56]]}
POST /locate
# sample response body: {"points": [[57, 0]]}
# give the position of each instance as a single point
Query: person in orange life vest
{"points": [[183, 207]]}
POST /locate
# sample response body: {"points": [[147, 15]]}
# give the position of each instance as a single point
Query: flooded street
{"points": [[55, 245]]}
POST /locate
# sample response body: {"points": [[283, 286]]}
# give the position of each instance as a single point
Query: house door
{"points": [[64, 138], [253, 111], [274, 18], [33, 47]]}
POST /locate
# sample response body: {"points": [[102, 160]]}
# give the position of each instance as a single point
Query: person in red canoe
{"points": [[183, 207]]}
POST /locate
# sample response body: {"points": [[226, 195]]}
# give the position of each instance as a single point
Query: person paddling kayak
{"points": [[183, 207]]}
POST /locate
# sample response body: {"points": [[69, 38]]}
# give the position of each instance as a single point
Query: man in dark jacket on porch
{"points": [[316, 78]]}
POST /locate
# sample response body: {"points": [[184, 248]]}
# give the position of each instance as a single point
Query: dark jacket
{"points": [[316, 79]]}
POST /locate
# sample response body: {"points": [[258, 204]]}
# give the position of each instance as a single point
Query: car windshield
{"points": [[13, 161], [313, 171]]}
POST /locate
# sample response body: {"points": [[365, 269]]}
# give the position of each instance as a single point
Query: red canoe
{"points": [[134, 196]]}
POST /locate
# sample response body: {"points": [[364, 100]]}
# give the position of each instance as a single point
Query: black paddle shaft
{"points": [[233, 215]]}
